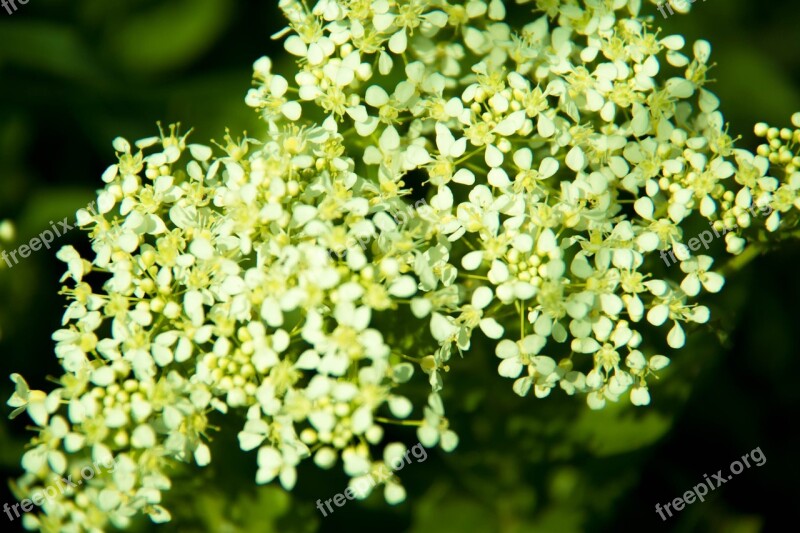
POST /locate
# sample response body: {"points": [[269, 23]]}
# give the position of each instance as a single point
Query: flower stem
{"points": [[742, 260], [398, 422]]}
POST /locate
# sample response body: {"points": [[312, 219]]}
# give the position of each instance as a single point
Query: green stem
{"points": [[398, 422], [742, 260]]}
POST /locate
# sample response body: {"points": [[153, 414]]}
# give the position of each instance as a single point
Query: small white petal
{"points": [[292, 110], [657, 362], [472, 260], [713, 282], [691, 285], [676, 337], [640, 396], [143, 437], [202, 455], [398, 42], [491, 328], [658, 315], [576, 160], [202, 248], [403, 287], [493, 156], [464, 177]]}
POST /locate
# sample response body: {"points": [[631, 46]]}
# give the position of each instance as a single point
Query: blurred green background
{"points": [[75, 74]]}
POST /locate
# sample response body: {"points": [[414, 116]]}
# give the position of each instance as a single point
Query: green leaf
{"points": [[619, 428], [443, 510], [48, 47], [169, 35]]}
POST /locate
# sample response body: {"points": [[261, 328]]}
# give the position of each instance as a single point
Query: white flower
{"points": [[435, 428], [696, 269], [38, 404]]}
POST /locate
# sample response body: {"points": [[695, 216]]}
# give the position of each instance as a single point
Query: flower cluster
{"points": [[559, 157], [226, 286]]}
